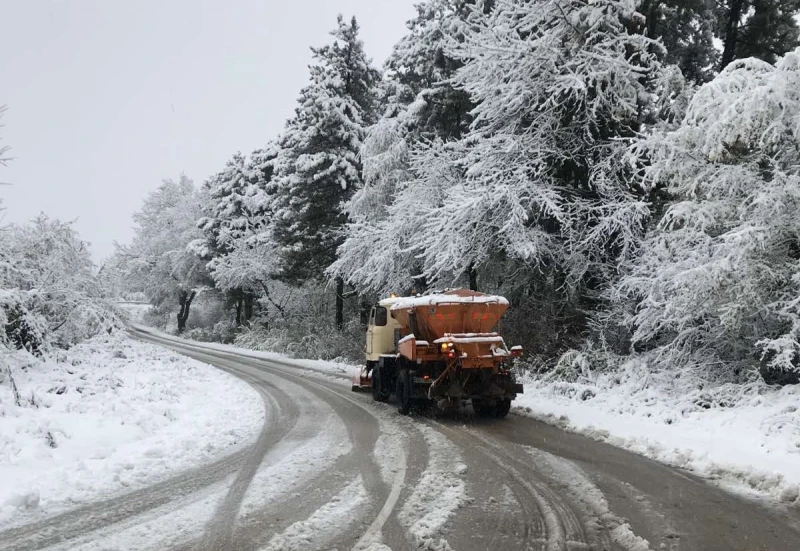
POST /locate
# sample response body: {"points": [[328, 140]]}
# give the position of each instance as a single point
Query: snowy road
{"points": [[332, 470]]}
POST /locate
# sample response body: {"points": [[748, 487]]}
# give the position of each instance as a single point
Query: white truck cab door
{"points": [[370, 330]]}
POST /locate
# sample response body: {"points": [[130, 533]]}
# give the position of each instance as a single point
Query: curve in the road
{"points": [[522, 484]]}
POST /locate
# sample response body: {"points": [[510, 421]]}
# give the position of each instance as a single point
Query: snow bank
{"points": [[113, 415], [745, 436]]}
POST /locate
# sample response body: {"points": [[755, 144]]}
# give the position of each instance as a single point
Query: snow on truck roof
{"points": [[454, 297]]}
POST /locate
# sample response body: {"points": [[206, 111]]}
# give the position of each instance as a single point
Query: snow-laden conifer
{"points": [[318, 167]]}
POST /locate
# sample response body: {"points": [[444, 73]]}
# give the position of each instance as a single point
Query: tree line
{"points": [[623, 171]]}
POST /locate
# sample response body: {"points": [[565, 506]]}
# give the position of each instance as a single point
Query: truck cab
{"points": [[382, 332]]}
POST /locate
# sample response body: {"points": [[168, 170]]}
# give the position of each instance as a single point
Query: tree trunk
{"points": [[185, 301], [339, 303], [239, 311], [732, 19], [248, 307], [473, 278]]}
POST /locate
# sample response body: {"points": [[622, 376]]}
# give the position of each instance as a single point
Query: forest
{"points": [[624, 172]]}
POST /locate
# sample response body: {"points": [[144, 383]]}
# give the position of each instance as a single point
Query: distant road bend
{"points": [[333, 470]]}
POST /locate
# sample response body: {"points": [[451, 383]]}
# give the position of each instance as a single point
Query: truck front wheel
{"points": [[379, 393], [403, 393]]}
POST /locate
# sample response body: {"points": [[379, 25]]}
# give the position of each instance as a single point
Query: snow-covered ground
{"points": [[745, 436], [112, 415]]}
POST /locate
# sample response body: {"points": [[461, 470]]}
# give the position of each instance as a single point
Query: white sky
{"points": [[108, 97]]}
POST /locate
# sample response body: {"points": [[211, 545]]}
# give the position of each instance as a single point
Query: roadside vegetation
{"points": [[628, 186]]}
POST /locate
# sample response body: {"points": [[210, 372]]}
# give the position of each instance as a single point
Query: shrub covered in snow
{"points": [[49, 296]]}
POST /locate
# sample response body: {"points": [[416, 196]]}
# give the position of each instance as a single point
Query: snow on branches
{"points": [[318, 167], [719, 278], [49, 295], [159, 262], [540, 178]]}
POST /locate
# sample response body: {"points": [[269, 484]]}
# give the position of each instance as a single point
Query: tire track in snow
{"points": [[605, 525], [372, 475], [437, 495], [219, 531], [167, 527], [85, 519], [325, 524], [364, 437], [563, 529]]}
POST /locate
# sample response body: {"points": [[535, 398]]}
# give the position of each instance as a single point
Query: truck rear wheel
{"points": [[379, 393], [403, 393], [482, 409], [502, 408]]}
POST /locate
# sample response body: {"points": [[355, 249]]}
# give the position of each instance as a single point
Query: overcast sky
{"points": [[108, 97]]}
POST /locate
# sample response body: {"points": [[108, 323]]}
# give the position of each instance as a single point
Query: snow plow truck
{"points": [[440, 349]]}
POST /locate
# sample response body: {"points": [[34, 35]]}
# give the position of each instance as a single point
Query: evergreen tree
{"points": [[225, 217], [237, 210], [420, 104], [686, 28], [318, 166], [765, 29]]}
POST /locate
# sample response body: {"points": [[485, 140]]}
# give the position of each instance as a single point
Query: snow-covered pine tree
{"points": [[717, 283], [238, 205], [318, 165], [420, 103], [686, 29], [765, 29], [224, 215], [250, 265]]}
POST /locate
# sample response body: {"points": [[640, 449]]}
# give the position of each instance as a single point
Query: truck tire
{"points": [[403, 393], [502, 408], [379, 393]]}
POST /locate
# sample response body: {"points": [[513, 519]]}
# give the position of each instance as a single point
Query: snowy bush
{"points": [[49, 295], [307, 339], [717, 283]]}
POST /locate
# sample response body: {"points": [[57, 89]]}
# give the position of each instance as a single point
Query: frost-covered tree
{"points": [[237, 206], [717, 283], [225, 215], [420, 103], [159, 262], [49, 295], [539, 179], [318, 165]]}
